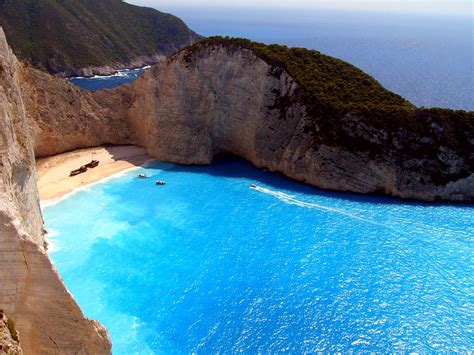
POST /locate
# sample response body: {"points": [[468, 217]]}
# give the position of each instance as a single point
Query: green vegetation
{"points": [[57, 34], [12, 329], [348, 108], [325, 81], [334, 92]]}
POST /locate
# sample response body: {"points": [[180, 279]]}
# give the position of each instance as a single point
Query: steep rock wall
{"points": [[31, 291], [191, 107], [64, 117], [219, 99]]}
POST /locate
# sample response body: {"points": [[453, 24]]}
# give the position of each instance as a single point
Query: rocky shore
{"points": [[227, 100], [222, 99]]}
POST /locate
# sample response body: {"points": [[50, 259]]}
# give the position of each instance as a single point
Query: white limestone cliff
{"points": [[226, 100], [31, 291]]}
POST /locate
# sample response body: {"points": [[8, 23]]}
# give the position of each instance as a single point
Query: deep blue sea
{"points": [[205, 264], [100, 82], [427, 59]]}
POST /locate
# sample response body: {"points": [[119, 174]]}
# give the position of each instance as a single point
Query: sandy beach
{"points": [[53, 172]]}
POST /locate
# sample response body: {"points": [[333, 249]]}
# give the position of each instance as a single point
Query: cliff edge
{"points": [[31, 291], [309, 116]]}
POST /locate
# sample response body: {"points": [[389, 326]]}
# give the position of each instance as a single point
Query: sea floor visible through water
{"points": [[206, 264]]}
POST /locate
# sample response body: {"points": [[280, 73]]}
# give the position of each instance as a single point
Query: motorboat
{"points": [[160, 182]]}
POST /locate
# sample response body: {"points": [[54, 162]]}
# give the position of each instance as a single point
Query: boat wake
{"points": [[292, 200]]}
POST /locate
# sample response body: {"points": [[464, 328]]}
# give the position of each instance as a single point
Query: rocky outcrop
{"points": [[219, 99], [210, 99], [63, 117], [9, 337], [31, 291]]}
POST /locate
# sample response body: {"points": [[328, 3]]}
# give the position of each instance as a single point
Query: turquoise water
{"points": [[205, 264]]}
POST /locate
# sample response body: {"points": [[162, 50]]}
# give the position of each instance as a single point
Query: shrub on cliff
{"points": [[325, 81], [349, 108], [12, 329]]}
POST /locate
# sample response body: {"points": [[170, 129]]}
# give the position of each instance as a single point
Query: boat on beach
{"points": [[81, 170], [84, 168], [92, 164]]}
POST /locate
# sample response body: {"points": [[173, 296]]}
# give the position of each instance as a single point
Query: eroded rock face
{"points": [[189, 108], [63, 117], [31, 292]]}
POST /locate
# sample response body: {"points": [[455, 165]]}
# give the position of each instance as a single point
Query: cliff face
{"points": [[63, 117], [219, 99], [47, 317], [193, 111], [209, 99]]}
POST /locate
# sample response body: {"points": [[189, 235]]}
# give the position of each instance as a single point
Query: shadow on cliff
{"points": [[129, 153], [231, 166]]}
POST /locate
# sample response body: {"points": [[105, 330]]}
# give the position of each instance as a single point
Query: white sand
{"points": [[53, 172]]}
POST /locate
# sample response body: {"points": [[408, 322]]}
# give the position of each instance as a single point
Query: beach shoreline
{"points": [[54, 182]]}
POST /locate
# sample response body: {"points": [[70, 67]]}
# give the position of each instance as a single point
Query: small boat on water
{"points": [[160, 182], [81, 170], [142, 176], [92, 164], [253, 186]]}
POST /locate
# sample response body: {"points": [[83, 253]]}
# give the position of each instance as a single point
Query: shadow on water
{"points": [[231, 166]]}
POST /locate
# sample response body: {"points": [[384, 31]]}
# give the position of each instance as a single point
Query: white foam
{"points": [[292, 200], [52, 243], [119, 73]]}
